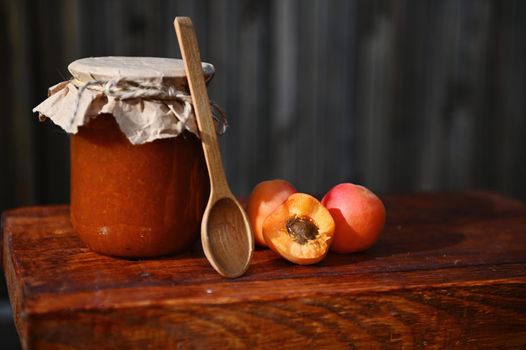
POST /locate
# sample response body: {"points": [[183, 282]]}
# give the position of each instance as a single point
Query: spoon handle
{"points": [[194, 73]]}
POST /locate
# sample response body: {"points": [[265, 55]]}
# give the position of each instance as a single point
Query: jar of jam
{"points": [[139, 183]]}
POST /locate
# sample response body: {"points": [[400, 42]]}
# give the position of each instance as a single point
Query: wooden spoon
{"points": [[226, 235]]}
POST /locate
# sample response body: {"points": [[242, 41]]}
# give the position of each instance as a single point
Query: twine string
{"points": [[123, 89]]}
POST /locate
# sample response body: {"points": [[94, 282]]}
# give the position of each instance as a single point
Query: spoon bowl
{"points": [[223, 232]]}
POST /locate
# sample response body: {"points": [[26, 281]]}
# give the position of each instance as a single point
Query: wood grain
{"points": [[448, 272]]}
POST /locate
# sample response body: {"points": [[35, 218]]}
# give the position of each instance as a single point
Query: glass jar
{"points": [[136, 200], [139, 184]]}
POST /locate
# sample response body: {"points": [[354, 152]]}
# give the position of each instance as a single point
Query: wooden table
{"points": [[448, 272]]}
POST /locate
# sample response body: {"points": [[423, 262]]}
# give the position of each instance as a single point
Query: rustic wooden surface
{"points": [[448, 272]]}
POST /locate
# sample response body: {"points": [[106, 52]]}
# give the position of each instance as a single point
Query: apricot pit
{"points": [[301, 230]]}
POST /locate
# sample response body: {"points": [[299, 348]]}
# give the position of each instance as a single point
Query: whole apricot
{"points": [[359, 216], [265, 197], [300, 229]]}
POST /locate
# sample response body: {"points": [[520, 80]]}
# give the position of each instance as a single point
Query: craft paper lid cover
{"points": [[160, 69]]}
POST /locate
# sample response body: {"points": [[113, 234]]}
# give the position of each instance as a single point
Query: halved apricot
{"points": [[300, 229]]}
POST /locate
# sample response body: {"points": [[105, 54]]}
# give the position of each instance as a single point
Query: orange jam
{"points": [[136, 200]]}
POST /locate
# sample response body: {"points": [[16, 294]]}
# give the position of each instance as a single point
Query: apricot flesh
{"points": [[359, 216], [300, 229], [264, 199]]}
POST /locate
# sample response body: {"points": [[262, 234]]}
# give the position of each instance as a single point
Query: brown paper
{"points": [[148, 97]]}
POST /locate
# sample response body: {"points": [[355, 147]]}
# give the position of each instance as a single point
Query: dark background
{"points": [[397, 95]]}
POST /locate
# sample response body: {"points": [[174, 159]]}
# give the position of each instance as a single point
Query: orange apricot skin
{"points": [[278, 239], [359, 216], [264, 199]]}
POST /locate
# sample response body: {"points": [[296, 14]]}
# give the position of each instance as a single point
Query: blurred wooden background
{"points": [[397, 95]]}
